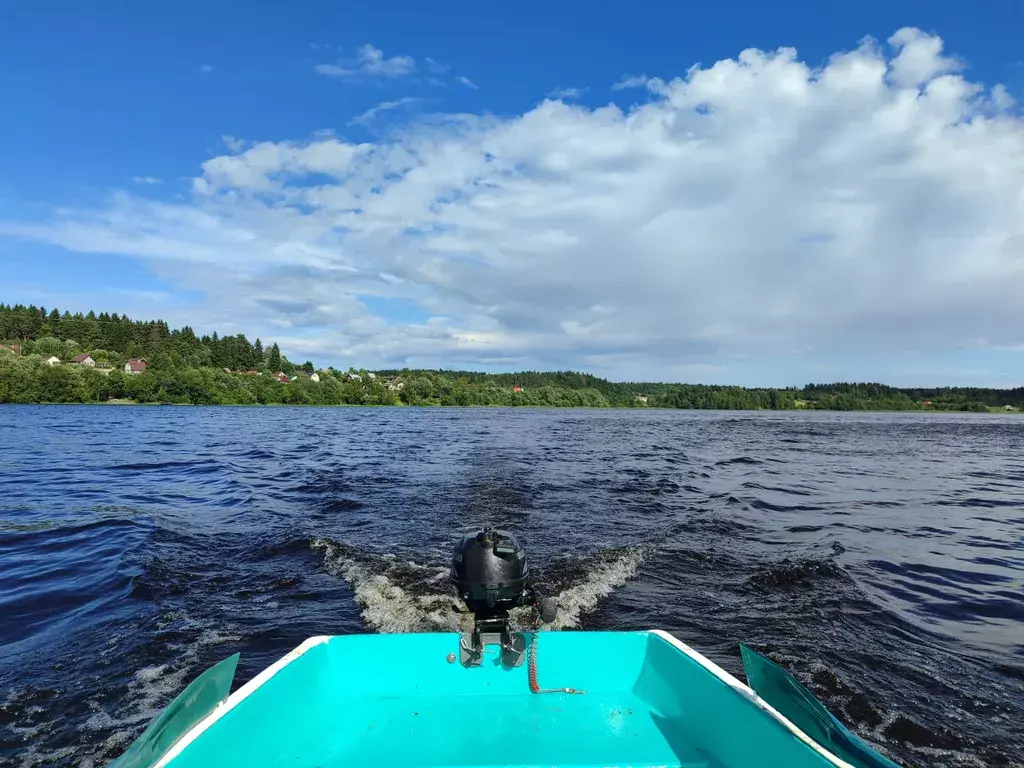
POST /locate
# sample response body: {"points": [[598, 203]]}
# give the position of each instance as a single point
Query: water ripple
{"points": [[880, 557]]}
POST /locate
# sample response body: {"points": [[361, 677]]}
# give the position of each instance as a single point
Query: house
{"points": [[52, 360], [14, 349], [353, 377], [926, 403], [314, 376], [282, 377], [1009, 408], [83, 359], [372, 375], [641, 399], [396, 384], [135, 366], [517, 388]]}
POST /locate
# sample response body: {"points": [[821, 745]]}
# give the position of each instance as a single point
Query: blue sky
{"points": [[468, 186]]}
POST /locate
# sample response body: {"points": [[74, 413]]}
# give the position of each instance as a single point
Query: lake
{"points": [[879, 557]]}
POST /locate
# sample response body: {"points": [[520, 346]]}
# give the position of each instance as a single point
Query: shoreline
{"points": [[132, 403]]}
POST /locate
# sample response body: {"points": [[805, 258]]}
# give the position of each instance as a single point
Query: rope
{"points": [[534, 685]]}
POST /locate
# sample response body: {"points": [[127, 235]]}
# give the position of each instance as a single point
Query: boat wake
{"points": [[400, 595]]}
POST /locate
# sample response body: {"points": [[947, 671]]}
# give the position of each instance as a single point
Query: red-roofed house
{"points": [[282, 377], [135, 366], [12, 348], [83, 359]]}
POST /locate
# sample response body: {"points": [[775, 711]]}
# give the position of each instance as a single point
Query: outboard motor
{"points": [[491, 572]]}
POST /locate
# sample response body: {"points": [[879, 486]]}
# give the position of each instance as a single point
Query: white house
{"points": [[52, 360], [135, 366], [314, 376], [83, 359]]}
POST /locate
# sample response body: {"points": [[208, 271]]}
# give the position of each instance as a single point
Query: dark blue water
{"points": [[879, 557]]}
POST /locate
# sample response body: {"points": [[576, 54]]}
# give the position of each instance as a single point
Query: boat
{"points": [[476, 700]]}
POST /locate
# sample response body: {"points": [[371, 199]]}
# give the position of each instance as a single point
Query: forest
{"points": [[185, 368]]}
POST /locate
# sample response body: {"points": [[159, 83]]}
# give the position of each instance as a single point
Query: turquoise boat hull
{"points": [[644, 699]]}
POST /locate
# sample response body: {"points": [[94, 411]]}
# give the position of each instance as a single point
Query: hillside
{"points": [[181, 367]]}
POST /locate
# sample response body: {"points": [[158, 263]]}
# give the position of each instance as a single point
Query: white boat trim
{"points": [[235, 698], [751, 695]]}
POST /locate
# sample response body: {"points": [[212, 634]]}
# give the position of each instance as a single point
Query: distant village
{"points": [[133, 367], [138, 365]]}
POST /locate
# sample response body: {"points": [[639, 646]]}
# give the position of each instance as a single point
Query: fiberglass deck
{"points": [[526, 729], [404, 701]]}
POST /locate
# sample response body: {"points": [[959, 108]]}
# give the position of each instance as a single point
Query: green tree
{"points": [[274, 358]]}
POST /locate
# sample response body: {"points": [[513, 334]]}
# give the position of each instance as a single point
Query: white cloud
{"points": [[755, 212], [631, 81], [566, 94], [436, 67], [370, 62], [263, 165], [232, 143], [463, 80], [919, 58], [147, 180], [368, 116], [206, 69], [333, 70]]}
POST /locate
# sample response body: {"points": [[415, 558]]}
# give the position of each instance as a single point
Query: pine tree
{"points": [[274, 358]]}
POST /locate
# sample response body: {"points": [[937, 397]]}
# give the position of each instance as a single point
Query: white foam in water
{"points": [[387, 607], [149, 691], [149, 674], [601, 580]]}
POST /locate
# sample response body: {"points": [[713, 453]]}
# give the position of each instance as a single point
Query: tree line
{"points": [[185, 368], [111, 338]]}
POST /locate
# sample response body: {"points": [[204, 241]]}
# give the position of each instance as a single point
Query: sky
{"points": [[745, 193]]}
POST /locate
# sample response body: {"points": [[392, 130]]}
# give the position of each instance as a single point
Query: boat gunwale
{"points": [[237, 698], [255, 683], [751, 695]]}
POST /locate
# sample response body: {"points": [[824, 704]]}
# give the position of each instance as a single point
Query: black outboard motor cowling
{"points": [[491, 572]]}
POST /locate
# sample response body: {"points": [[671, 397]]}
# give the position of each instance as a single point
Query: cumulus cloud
{"points": [[751, 210], [370, 62]]}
